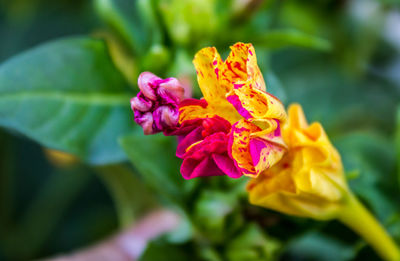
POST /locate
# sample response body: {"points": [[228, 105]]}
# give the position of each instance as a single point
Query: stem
{"points": [[358, 218]]}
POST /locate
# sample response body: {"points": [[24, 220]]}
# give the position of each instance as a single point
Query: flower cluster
{"points": [[234, 130]]}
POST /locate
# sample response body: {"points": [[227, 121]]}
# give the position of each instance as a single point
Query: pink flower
{"points": [[156, 106], [203, 146]]}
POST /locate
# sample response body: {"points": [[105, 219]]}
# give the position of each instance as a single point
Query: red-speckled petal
{"points": [[253, 154], [239, 146], [241, 66], [191, 109], [208, 64], [256, 104]]}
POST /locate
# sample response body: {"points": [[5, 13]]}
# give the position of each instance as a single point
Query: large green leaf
{"points": [[67, 95]]}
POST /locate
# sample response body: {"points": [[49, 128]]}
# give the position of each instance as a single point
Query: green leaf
{"points": [[290, 37], [154, 157], [67, 95]]}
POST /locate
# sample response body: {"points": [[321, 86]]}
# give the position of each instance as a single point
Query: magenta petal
{"points": [[188, 140], [227, 165], [206, 167], [234, 100], [256, 145]]}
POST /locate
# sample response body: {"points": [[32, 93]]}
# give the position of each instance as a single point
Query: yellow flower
{"points": [[309, 180]]}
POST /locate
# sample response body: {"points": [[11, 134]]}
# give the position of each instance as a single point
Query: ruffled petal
{"points": [[208, 63], [226, 165], [304, 193], [187, 141], [239, 146], [264, 153], [194, 109], [253, 154], [253, 103], [203, 167], [191, 109], [199, 159], [241, 66]]}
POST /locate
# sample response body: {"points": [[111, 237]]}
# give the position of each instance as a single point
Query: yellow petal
{"points": [[194, 109], [295, 193], [253, 103], [297, 119], [241, 65], [208, 64]]}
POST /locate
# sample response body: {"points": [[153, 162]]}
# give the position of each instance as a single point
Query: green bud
{"points": [[156, 59]]}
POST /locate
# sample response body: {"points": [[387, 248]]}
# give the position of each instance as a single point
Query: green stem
{"points": [[358, 218]]}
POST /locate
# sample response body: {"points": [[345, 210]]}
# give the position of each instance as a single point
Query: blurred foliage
{"points": [[339, 59]]}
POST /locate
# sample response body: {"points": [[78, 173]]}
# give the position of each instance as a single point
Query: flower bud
{"points": [[156, 105]]}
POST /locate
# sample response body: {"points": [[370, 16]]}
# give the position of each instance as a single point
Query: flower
{"points": [[309, 181], [233, 90], [203, 148], [156, 106]]}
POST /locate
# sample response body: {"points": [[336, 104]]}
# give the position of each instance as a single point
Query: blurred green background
{"points": [[339, 59]]}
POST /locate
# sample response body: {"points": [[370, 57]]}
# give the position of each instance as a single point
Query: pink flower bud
{"points": [[147, 82], [156, 106]]}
